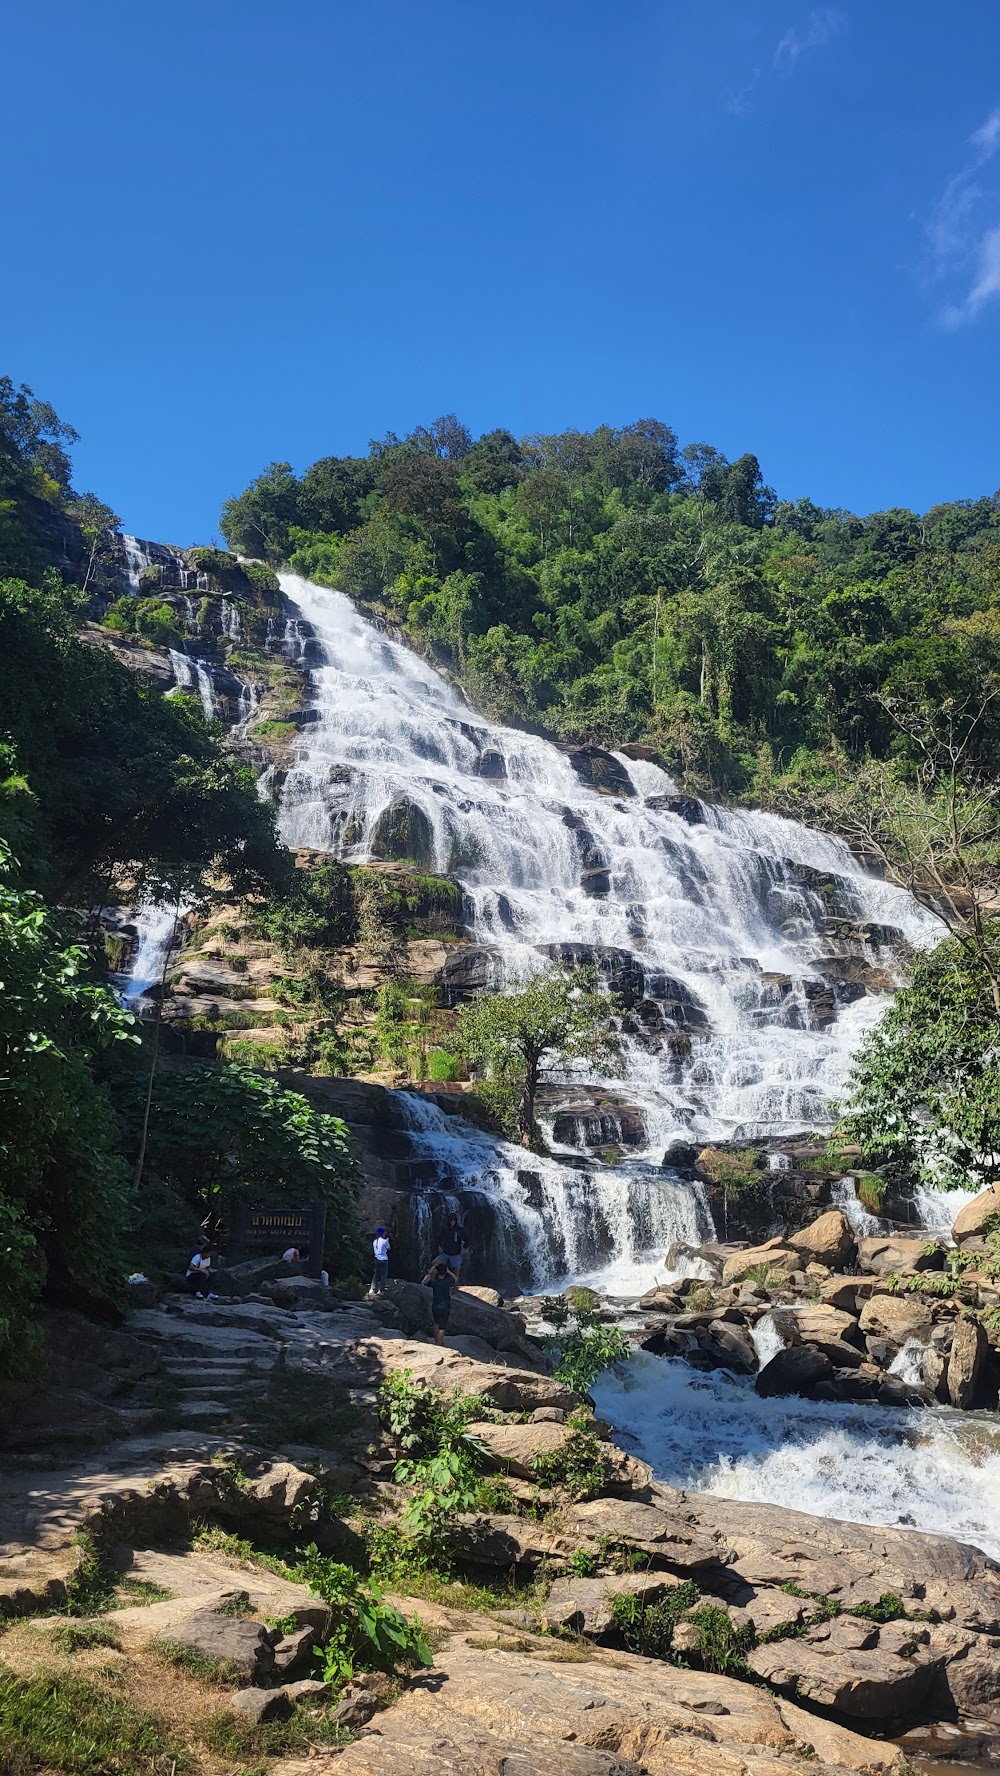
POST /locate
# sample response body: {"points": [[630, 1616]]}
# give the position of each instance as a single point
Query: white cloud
{"points": [[986, 285], [959, 242], [821, 27]]}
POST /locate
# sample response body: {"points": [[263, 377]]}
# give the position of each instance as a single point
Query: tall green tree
{"points": [[515, 1039]]}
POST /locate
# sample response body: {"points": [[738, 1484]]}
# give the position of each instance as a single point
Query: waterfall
{"points": [[229, 617], [937, 1209], [735, 937], [136, 558], [193, 675], [844, 1196], [156, 923], [766, 1339], [550, 1223]]}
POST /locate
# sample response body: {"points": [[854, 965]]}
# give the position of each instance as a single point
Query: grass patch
{"points": [[54, 1722], [134, 1593], [90, 1590], [226, 1736], [76, 1637]]}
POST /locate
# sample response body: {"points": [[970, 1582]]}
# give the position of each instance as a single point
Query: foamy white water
{"points": [[728, 937], [936, 1470]]}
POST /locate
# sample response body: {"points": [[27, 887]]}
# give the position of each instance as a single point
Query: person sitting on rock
{"points": [[199, 1271], [441, 1279], [381, 1247]]}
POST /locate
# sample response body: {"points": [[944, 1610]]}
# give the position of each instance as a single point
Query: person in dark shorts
{"points": [[452, 1246], [441, 1280]]}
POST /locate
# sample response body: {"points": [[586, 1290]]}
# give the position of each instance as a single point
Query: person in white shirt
{"points": [[199, 1271], [292, 1256], [381, 1248]]}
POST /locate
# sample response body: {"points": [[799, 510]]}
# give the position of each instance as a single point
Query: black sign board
{"points": [[260, 1231]]}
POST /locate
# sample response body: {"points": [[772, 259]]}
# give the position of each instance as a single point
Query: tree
{"points": [[97, 523], [932, 825], [925, 1088], [515, 1038], [61, 1186], [221, 1136], [258, 521]]}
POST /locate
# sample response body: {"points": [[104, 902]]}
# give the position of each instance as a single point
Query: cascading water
{"points": [[136, 558], [741, 984], [157, 927], [193, 675], [844, 1196]]}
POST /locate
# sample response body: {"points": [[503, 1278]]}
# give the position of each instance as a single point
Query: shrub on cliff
{"points": [[925, 1086]]}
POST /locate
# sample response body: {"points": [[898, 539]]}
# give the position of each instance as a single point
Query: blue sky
{"points": [[237, 231]]}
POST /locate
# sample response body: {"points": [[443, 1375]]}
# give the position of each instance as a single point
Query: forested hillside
{"points": [[613, 586], [110, 793]]}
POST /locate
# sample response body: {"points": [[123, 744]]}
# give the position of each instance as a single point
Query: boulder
{"points": [[518, 1446], [298, 1291], [775, 1254], [601, 770], [473, 969], [355, 1709], [662, 1299], [258, 1706], [662, 1534], [868, 1685], [403, 833], [725, 1347], [829, 1239], [241, 1647], [974, 1682], [893, 1252], [509, 1389], [846, 1292], [828, 1329], [897, 1318], [968, 1353], [306, 1689], [292, 1650], [488, 1297], [796, 1370], [583, 1606], [276, 1492], [970, 1221]]}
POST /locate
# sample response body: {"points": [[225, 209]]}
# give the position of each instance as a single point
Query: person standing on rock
{"points": [[453, 1248], [441, 1280], [381, 1248]]}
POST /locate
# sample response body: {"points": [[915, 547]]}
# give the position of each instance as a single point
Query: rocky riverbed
{"points": [[839, 1638]]}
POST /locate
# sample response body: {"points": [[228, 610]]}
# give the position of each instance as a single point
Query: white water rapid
{"points": [[937, 1470]]}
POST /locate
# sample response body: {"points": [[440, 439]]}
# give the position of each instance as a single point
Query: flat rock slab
{"points": [[511, 1390], [867, 1684], [528, 1713], [518, 1446], [200, 1580]]}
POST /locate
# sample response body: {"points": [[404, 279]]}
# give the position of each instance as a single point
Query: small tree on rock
{"points": [[516, 1038]]}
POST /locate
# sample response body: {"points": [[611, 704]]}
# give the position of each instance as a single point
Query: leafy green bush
{"points": [[586, 1352], [439, 1457], [443, 1067], [366, 1630], [648, 1628], [580, 1466], [157, 622]]}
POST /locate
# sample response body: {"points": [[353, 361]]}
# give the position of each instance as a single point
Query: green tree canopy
{"points": [[925, 1088], [62, 1188], [516, 1038]]}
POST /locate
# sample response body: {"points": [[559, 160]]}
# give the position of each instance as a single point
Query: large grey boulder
{"points": [[241, 1648], [883, 1252], [403, 833], [799, 1369]]}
